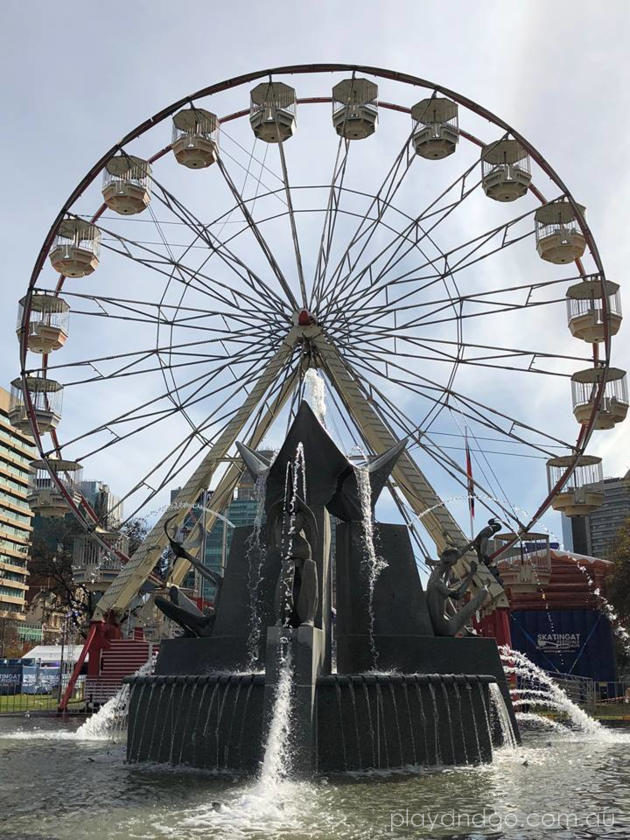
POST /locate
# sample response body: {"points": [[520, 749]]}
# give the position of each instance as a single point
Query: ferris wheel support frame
{"points": [[131, 577], [420, 495]]}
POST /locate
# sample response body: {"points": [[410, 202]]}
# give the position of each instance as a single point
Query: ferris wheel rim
{"points": [[145, 126]]}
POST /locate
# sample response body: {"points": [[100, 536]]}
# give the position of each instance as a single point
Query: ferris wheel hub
{"points": [[303, 318]]}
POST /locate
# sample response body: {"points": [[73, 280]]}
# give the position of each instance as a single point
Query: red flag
{"points": [[470, 482]]}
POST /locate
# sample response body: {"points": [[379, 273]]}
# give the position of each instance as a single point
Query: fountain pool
{"points": [[56, 787]]}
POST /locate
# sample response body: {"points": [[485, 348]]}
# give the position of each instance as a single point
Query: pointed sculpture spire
{"points": [[255, 463], [346, 503]]}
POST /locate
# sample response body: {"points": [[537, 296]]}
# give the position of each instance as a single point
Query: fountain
{"points": [[546, 693], [254, 690]]}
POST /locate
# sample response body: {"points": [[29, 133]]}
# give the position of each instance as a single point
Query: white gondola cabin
{"points": [[93, 565], [435, 127], [505, 170], [559, 238], [272, 112], [355, 108], [195, 138], [47, 322], [44, 496], [585, 309], [584, 490], [613, 407], [75, 252], [127, 184], [45, 396], [526, 565]]}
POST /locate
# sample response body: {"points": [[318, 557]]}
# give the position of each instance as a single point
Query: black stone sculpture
{"points": [[440, 591], [178, 607], [292, 531], [481, 544], [404, 690]]}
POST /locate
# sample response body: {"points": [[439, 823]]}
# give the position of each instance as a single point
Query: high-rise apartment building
{"points": [[595, 533], [16, 452]]}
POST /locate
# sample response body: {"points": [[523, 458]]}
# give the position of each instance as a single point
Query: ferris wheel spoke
{"points": [[411, 236], [435, 393], [231, 260], [432, 346], [227, 392], [154, 260], [440, 396], [403, 303], [155, 313], [500, 307], [448, 464], [252, 159], [395, 419], [148, 408], [294, 232], [330, 220], [180, 452], [454, 260], [210, 286], [367, 226], [189, 361], [391, 413], [240, 341], [257, 234]]}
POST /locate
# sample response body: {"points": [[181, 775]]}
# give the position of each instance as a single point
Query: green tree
{"points": [[50, 567], [618, 582], [136, 531]]}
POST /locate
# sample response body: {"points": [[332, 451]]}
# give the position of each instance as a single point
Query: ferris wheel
{"points": [[398, 238]]}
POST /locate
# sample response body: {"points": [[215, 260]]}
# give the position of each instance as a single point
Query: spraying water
{"points": [[256, 559], [499, 709], [110, 721], [374, 563], [607, 608], [276, 765], [316, 394], [539, 722], [548, 692]]}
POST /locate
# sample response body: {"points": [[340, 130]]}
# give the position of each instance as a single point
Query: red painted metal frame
{"points": [[404, 78]]}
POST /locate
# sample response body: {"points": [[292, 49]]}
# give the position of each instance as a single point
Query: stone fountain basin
{"points": [[363, 721]]}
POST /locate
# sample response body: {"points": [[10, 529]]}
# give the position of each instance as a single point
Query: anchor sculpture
{"points": [[178, 607]]}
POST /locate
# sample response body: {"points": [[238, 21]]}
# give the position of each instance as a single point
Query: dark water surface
{"points": [[55, 786]]}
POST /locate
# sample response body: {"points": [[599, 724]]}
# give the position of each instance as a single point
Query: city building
{"points": [[16, 453], [103, 502], [216, 544], [94, 567], [594, 534]]}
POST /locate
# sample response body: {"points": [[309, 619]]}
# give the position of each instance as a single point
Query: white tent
{"points": [[52, 653]]}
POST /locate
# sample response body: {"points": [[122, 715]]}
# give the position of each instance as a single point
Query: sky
{"points": [[78, 76]]}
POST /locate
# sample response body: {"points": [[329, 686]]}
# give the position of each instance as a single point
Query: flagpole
{"points": [[470, 486]]}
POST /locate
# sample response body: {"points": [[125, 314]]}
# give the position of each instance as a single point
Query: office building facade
{"points": [[594, 534]]}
